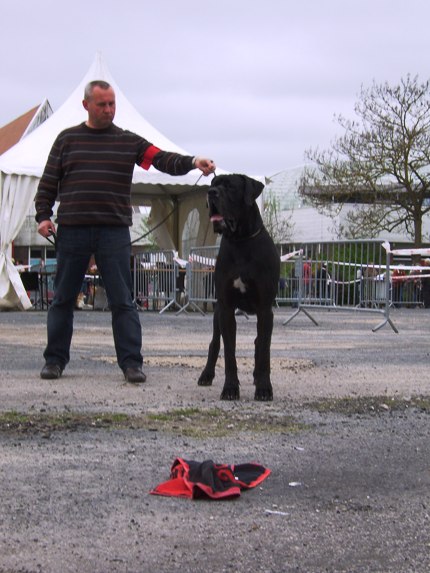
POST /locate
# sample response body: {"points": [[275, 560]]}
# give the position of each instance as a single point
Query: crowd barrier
{"points": [[158, 280], [341, 275], [410, 283], [334, 275], [346, 275], [200, 286], [365, 276], [38, 281]]}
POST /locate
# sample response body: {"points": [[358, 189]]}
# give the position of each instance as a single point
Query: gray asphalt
{"points": [[349, 490]]}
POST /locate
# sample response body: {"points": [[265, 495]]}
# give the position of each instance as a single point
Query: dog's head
{"points": [[232, 207]]}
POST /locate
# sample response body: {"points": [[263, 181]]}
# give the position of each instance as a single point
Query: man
{"points": [[90, 169]]}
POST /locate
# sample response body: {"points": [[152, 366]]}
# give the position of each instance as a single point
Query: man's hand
{"points": [[46, 228], [207, 166]]}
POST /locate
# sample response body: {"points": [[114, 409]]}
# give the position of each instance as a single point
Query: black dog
{"points": [[246, 278]]}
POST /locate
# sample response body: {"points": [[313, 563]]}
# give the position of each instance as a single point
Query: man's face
{"points": [[100, 107]]}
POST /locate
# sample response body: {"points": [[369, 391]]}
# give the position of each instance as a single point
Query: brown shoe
{"points": [[134, 375], [51, 372]]}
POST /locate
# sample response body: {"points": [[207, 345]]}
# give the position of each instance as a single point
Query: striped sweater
{"points": [[89, 171]]}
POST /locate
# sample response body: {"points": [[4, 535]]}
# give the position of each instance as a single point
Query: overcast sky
{"points": [[250, 84]]}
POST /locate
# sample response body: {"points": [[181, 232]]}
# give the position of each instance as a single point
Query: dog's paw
{"points": [[205, 379], [264, 394], [230, 393]]}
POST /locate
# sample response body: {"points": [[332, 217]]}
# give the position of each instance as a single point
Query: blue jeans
{"points": [[112, 251]]}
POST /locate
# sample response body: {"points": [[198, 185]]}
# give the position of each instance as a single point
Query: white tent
{"points": [[21, 168]]}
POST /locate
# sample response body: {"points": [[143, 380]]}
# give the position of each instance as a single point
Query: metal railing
{"points": [[157, 281], [338, 275], [410, 276], [200, 285], [341, 275]]}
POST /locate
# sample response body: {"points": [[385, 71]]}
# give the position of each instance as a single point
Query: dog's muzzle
{"points": [[214, 214]]}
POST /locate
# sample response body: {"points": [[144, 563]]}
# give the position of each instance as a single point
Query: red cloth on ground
{"points": [[193, 480]]}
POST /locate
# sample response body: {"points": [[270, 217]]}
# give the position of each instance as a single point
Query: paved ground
{"points": [[346, 439]]}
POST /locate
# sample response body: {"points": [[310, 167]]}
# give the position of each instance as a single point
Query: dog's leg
{"points": [[208, 374], [263, 385], [230, 390]]}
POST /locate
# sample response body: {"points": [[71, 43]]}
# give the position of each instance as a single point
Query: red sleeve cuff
{"points": [[148, 156]]}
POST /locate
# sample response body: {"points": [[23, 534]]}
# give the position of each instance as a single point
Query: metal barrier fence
{"points": [[200, 286], [342, 275], [410, 282], [407, 288], [158, 280]]}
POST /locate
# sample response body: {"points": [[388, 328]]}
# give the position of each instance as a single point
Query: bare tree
{"points": [[279, 227], [381, 165], [146, 232]]}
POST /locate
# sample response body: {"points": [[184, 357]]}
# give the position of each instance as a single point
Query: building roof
{"points": [[15, 130], [12, 132], [284, 186]]}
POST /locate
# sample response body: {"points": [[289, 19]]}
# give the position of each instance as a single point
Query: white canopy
{"points": [[29, 156], [22, 166]]}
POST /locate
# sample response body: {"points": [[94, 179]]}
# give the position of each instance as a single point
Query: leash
{"points": [[128, 244], [163, 220], [140, 237]]}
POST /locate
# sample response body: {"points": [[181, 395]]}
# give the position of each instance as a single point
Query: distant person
{"points": [[90, 169], [322, 280], [307, 278], [414, 286], [397, 281]]}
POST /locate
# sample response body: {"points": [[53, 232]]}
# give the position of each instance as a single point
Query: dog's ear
{"points": [[215, 180], [253, 189]]}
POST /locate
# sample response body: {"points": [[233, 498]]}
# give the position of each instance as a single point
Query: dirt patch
{"points": [[198, 362]]}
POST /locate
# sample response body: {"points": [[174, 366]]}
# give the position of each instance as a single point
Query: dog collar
{"points": [[239, 239]]}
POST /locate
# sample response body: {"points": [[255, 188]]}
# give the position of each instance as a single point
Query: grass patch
{"points": [[215, 422], [181, 413], [192, 422], [369, 405]]}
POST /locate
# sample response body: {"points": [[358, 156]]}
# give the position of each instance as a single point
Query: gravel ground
{"points": [[346, 439]]}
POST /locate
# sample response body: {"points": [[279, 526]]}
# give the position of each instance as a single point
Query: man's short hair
{"points": [[88, 92]]}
